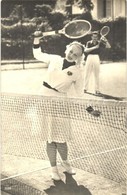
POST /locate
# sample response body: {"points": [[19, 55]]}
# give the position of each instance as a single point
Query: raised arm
{"points": [[105, 42], [108, 46], [38, 54], [52, 61]]}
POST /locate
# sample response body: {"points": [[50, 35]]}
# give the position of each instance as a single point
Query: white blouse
{"points": [[68, 81]]}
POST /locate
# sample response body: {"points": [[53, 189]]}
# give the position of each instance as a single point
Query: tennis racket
{"points": [[73, 30], [104, 32]]}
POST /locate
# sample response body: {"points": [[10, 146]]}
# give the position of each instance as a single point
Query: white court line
{"points": [[87, 156], [99, 153]]}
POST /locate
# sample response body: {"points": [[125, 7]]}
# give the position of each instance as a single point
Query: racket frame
{"points": [[105, 33], [62, 31]]}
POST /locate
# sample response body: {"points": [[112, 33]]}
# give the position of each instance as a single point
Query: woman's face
{"points": [[73, 52]]}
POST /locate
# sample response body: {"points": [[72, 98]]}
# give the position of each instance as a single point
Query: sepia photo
{"points": [[63, 97]]}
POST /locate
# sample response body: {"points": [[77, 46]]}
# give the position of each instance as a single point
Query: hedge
{"points": [[16, 39]]}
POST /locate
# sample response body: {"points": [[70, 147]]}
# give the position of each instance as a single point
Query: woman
{"points": [[64, 78]]}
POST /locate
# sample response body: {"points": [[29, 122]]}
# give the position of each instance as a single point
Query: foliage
{"points": [[17, 31], [19, 35], [86, 4], [85, 16], [56, 20], [8, 21], [18, 12], [29, 6], [42, 10]]}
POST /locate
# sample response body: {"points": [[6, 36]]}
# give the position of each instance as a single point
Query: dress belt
{"points": [[48, 86]]}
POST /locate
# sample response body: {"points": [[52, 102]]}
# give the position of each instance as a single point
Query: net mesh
{"points": [[98, 145], [18, 187]]}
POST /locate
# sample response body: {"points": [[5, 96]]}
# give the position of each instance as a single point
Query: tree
{"points": [[42, 10], [56, 19], [18, 12], [87, 5], [69, 7]]}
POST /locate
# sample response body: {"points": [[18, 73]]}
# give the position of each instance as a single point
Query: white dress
{"points": [[69, 83]]}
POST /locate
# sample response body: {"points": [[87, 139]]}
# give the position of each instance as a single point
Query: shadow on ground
{"points": [[70, 187]]}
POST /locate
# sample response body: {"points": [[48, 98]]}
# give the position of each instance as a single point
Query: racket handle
{"points": [[50, 33]]}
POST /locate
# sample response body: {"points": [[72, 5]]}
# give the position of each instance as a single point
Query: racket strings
{"points": [[79, 29], [104, 31]]}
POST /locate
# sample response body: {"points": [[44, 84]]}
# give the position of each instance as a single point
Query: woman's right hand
{"points": [[38, 34]]}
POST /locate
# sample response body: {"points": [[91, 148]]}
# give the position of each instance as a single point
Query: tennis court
{"points": [[99, 150], [16, 80]]}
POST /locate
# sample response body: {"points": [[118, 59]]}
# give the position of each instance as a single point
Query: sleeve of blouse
{"points": [[39, 55], [55, 61]]}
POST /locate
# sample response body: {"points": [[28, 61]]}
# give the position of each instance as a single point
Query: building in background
{"points": [[105, 9]]}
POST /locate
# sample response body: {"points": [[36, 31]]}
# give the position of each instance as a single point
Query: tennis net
{"points": [[99, 142], [18, 187]]}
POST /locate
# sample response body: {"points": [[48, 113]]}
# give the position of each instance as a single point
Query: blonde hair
{"points": [[80, 45], [80, 61]]}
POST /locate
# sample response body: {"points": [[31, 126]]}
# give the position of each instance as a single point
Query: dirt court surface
{"points": [[83, 183], [113, 79]]}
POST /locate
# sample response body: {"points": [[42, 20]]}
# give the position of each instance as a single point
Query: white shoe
{"points": [[55, 175], [68, 167]]}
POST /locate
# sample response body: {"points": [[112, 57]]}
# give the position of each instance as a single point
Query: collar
{"points": [[67, 64]]}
